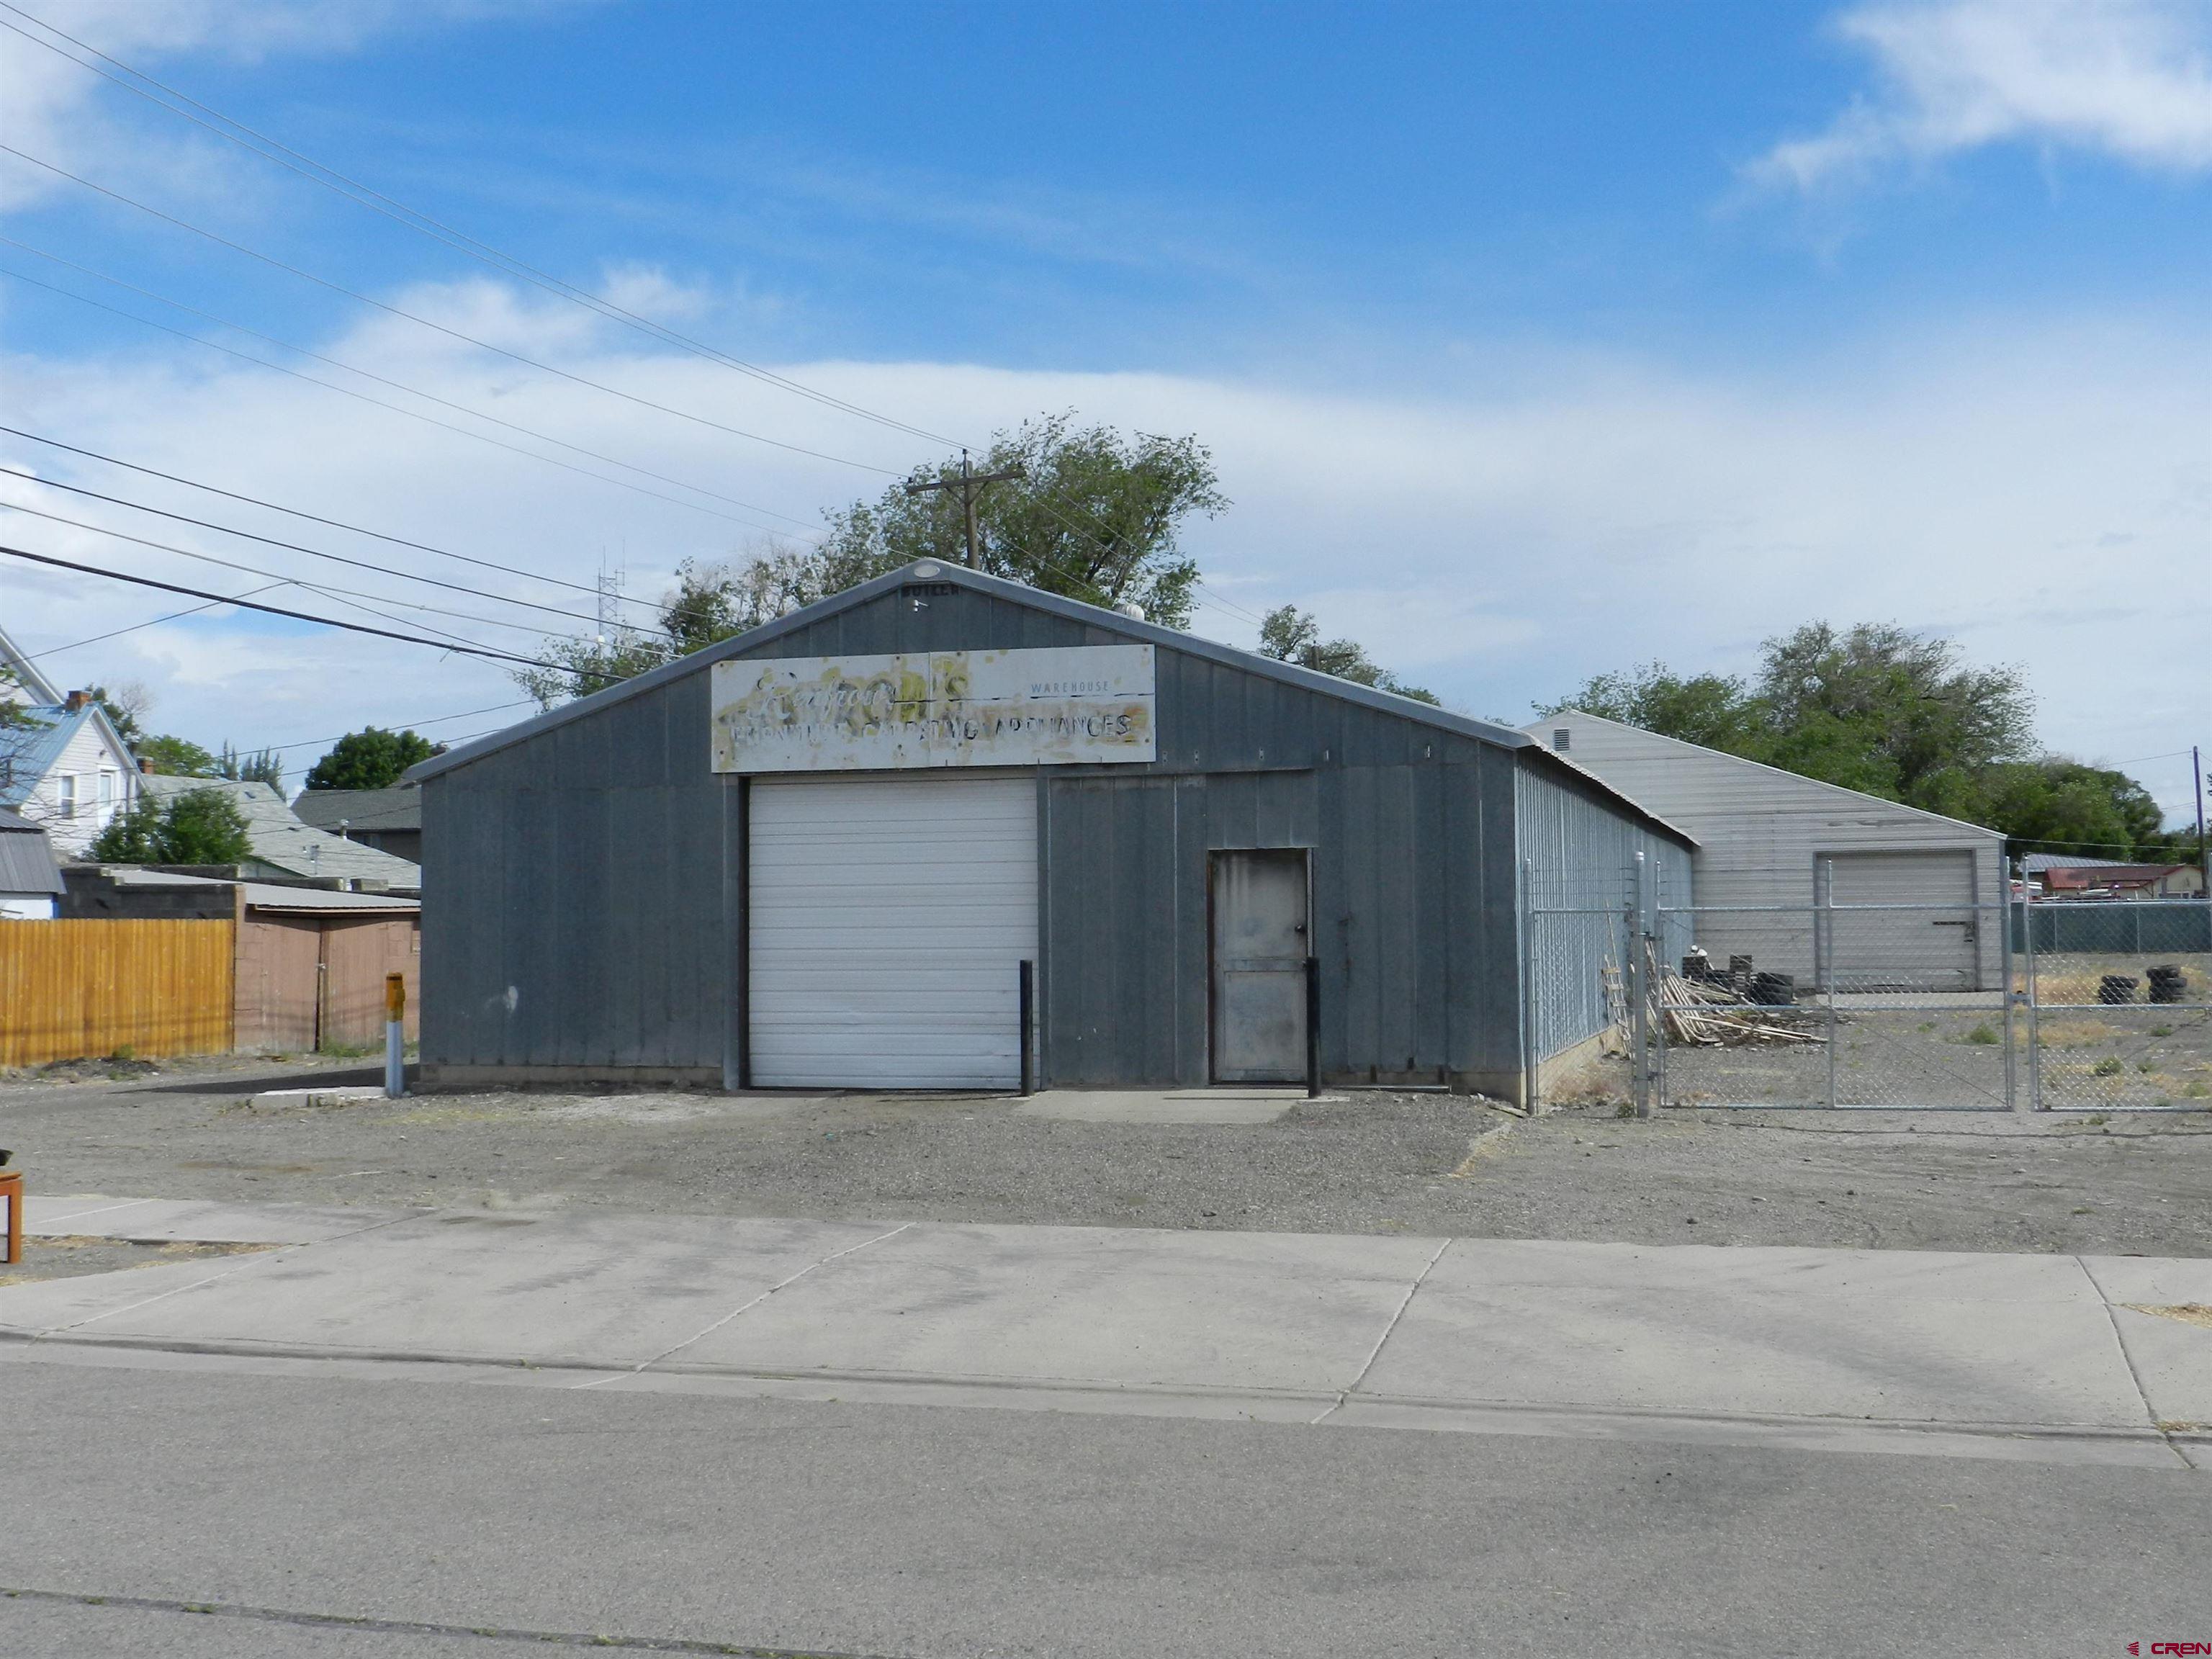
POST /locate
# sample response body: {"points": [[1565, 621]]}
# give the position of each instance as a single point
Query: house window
{"points": [[65, 799], [108, 782], [1560, 737]]}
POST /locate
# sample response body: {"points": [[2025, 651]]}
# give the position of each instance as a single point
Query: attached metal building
{"points": [[1773, 847], [815, 855]]}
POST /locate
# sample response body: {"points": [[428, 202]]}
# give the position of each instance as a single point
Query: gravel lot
{"points": [[1375, 1162]]}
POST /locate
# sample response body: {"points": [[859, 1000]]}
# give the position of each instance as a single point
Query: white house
{"points": [[1773, 848], [62, 765]]}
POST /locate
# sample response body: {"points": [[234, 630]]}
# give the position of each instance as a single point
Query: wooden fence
{"points": [[72, 989]]}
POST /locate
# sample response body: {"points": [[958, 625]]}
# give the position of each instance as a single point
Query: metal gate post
{"points": [[1824, 952], [2004, 959], [1531, 1063], [2033, 994], [1639, 990]]}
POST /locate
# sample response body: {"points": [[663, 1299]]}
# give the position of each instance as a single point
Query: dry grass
{"points": [[2189, 1313]]}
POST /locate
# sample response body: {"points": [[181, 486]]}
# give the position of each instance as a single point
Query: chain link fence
{"points": [[2071, 1005]]}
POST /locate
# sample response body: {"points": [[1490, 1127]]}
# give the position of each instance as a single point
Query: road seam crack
{"points": [[278, 1254], [1375, 1352], [2142, 1394], [746, 1307]]}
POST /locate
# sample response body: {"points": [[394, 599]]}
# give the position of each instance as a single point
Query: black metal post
{"points": [[1028, 1022], [1313, 1028]]}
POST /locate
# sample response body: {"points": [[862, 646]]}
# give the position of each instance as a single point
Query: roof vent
{"points": [[1130, 609], [926, 569], [1561, 739]]}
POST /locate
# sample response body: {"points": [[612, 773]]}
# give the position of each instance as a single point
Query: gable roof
{"points": [[360, 809], [933, 570], [37, 688], [278, 838], [1090, 616], [1836, 790], [30, 752]]}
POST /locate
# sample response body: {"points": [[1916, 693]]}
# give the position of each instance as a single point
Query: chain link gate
{"points": [[2073, 1005]]}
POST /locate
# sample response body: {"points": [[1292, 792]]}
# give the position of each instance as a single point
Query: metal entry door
{"points": [[1261, 943]]}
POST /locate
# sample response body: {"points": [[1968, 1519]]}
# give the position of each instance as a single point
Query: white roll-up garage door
{"points": [[889, 919], [1933, 946]]}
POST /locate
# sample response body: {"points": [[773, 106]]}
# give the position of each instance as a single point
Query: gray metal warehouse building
{"points": [[815, 855], [1773, 846]]}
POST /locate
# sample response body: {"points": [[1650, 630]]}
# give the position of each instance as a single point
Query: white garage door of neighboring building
{"points": [[1933, 947], [889, 919]]}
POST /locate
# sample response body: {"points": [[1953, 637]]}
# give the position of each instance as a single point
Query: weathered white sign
{"points": [[1079, 705]]}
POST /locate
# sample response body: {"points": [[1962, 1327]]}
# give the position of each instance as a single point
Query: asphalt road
{"points": [[442, 1509], [1377, 1163]]}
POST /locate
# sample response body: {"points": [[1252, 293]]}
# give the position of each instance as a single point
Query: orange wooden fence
{"points": [[71, 989]]}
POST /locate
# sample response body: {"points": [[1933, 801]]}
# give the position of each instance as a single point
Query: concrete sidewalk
{"points": [[1982, 1355]]}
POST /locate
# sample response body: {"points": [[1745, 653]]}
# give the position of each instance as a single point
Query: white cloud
{"points": [[70, 116], [2130, 79], [1496, 546]]}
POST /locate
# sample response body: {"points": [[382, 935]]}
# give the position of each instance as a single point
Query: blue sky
{"points": [[1534, 340]]}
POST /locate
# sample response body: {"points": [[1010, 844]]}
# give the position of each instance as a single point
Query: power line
{"points": [[346, 391], [397, 385], [378, 402], [452, 333], [414, 219], [1040, 498], [278, 611], [342, 594], [314, 553], [1043, 500], [405, 726], [151, 621], [2171, 754], [296, 513]]}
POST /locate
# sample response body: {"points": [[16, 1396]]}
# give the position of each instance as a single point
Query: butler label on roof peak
{"points": [[1076, 705]]}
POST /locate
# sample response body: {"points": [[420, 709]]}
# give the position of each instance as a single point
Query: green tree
{"points": [[1881, 710], [588, 665], [1881, 702], [1094, 515], [1714, 710], [199, 826], [127, 708], [177, 758], [1289, 634], [371, 758], [264, 766], [131, 837], [2058, 805]]}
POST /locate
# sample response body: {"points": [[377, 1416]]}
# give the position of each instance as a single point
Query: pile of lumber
{"points": [[1687, 1006]]}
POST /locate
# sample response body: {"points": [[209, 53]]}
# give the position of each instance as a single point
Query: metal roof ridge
{"points": [[1148, 633], [1779, 771]]}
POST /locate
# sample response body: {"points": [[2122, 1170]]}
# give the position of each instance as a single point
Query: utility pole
{"points": [[968, 484]]}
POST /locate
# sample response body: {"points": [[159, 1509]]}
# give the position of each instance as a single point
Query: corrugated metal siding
{"points": [[1579, 876], [581, 886], [26, 863], [1761, 832]]}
